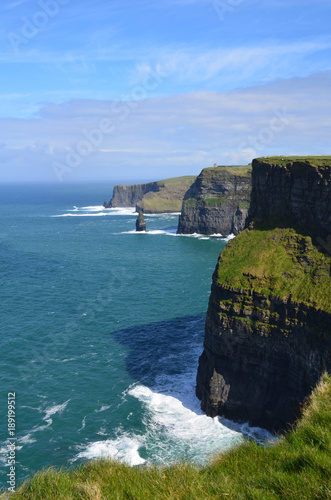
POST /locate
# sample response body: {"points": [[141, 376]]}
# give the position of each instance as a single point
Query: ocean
{"points": [[101, 331]]}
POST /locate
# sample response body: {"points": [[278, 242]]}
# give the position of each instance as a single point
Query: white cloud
{"points": [[176, 134]]}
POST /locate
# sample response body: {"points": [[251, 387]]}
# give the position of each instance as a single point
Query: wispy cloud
{"points": [[185, 68], [179, 57], [176, 134], [12, 5]]}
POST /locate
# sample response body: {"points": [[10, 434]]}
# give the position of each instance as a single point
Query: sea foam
{"points": [[175, 431], [97, 211], [124, 448]]}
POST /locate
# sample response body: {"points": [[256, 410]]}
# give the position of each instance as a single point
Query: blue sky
{"points": [[128, 90]]}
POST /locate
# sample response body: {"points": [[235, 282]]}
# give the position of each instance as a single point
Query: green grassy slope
{"points": [[297, 466], [241, 170], [170, 196], [313, 160], [278, 261]]}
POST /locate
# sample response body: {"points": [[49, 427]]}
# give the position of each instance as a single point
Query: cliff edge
{"points": [[268, 326], [297, 189], [218, 201], [153, 197]]}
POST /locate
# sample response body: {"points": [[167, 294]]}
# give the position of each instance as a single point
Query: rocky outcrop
{"points": [[130, 195], [298, 190], [268, 326], [262, 356], [164, 196], [140, 222], [217, 202]]}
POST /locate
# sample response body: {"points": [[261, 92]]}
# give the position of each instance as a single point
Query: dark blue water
{"points": [[101, 330]]}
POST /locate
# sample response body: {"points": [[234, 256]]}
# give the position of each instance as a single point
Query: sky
{"points": [[129, 90]]}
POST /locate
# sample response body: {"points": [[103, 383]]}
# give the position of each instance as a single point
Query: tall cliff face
{"points": [[154, 197], [130, 195], [268, 327], [296, 189], [217, 202]]}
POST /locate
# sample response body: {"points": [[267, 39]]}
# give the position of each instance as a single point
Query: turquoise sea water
{"points": [[101, 330]]}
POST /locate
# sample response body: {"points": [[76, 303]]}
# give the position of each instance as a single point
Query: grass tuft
{"points": [[296, 467]]}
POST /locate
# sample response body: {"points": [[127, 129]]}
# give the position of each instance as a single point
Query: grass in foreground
{"points": [[297, 467]]}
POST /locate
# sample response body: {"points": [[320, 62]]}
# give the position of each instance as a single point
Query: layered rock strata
{"points": [[164, 196], [130, 195], [217, 202], [262, 356], [298, 190], [268, 326], [140, 222]]}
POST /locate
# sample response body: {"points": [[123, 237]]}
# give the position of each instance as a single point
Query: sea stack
{"points": [[140, 222]]}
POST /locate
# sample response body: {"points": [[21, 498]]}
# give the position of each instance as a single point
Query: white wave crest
{"points": [[103, 408], [100, 214], [26, 439], [55, 409], [150, 233], [188, 430], [124, 448], [98, 208], [97, 211]]}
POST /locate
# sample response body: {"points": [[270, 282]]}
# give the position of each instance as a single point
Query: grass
{"points": [[170, 196], [296, 467], [278, 261], [191, 202], [313, 160], [241, 170], [214, 177], [177, 181], [215, 201], [243, 204]]}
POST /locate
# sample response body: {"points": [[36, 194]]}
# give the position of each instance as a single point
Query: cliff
{"points": [[297, 189], [298, 466], [268, 326], [217, 202], [130, 195], [154, 197]]}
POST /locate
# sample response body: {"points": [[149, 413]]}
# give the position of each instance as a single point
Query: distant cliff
{"points": [[268, 327], [217, 202], [153, 197], [130, 195]]}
